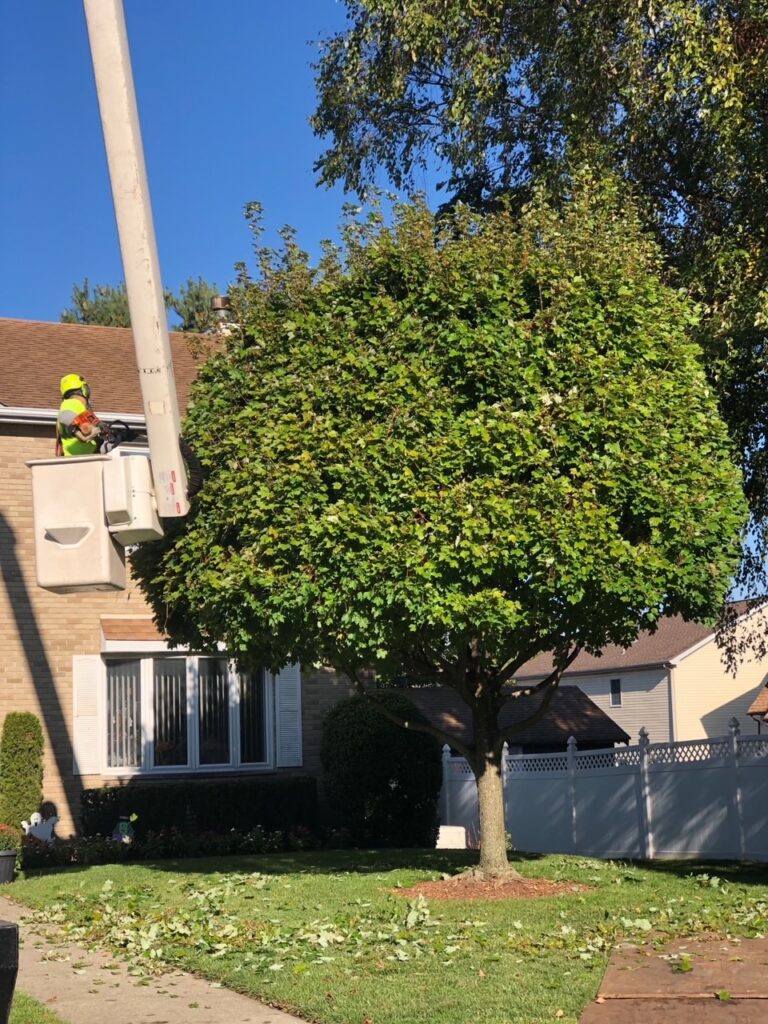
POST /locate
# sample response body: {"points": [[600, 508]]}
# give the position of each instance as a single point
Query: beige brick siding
{"points": [[42, 631]]}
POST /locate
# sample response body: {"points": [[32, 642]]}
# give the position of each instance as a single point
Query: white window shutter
{"points": [[86, 682], [288, 717]]}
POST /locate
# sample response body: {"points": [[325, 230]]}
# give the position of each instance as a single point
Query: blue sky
{"points": [[225, 92]]}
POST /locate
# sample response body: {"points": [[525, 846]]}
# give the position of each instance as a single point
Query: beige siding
{"points": [[644, 700], [707, 696]]}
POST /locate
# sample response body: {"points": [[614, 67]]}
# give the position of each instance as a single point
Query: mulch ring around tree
{"points": [[470, 888]]}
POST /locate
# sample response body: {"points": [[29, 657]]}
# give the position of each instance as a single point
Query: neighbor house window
{"points": [[168, 713], [615, 693]]}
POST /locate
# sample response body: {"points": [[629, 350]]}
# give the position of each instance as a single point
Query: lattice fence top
{"points": [[689, 751], [591, 759], [685, 752], [753, 748], [528, 764]]}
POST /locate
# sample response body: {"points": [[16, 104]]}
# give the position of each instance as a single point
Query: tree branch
{"points": [[549, 685], [552, 678]]}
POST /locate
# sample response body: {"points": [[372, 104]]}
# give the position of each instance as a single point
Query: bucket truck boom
{"points": [[87, 509]]}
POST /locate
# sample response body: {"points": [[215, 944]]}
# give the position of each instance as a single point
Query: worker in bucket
{"points": [[78, 428], [79, 431]]}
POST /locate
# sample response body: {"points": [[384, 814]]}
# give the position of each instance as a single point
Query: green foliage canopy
{"points": [[670, 95], [464, 437]]}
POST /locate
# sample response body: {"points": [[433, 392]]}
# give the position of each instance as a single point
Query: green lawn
{"points": [[28, 1011], [328, 936]]}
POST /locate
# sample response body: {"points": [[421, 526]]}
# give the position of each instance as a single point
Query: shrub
{"points": [[10, 837], [382, 781], [165, 843], [21, 768], [206, 805]]}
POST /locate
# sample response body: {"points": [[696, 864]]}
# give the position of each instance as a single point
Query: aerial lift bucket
{"points": [[86, 510]]}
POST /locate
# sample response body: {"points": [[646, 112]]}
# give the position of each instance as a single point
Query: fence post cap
{"points": [[734, 726], [571, 744]]}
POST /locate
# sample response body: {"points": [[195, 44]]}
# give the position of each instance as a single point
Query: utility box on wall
{"points": [[74, 549]]}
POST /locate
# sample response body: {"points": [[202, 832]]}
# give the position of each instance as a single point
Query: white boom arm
{"points": [[130, 192]]}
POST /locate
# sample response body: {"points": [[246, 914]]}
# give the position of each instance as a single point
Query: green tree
{"points": [[192, 305], [670, 95], [104, 305], [107, 305], [452, 446]]}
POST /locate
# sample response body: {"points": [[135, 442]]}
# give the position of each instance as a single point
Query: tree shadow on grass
{"points": [[320, 862], [738, 872]]}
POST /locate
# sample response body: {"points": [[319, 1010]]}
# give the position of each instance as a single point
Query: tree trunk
{"points": [[490, 798]]}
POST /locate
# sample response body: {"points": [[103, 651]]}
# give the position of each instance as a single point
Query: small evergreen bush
{"points": [[21, 768], [382, 781]]}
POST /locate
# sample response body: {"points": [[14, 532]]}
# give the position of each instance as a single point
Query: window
{"points": [[123, 714], [615, 693], [169, 714]]}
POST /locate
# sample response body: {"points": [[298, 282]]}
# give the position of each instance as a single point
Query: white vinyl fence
{"points": [[698, 798]]}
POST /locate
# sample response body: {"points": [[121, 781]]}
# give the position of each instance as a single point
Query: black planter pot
{"points": [[7, 865]]}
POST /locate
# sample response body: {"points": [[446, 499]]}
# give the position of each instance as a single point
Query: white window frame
{"points": [[619, 694], [193, 766]]}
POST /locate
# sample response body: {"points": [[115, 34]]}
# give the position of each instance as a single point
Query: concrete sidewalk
{"points": [[88, 986], [704, 981]]}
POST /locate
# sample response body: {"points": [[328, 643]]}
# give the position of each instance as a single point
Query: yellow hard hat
{"points": [[74, 382]]}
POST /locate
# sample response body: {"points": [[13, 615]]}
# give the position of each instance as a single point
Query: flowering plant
{"points": [[10, 838]]}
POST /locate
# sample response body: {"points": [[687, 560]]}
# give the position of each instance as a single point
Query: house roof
{"points": [[571, 713], [673, 638], [759, 706], [41, 353]]}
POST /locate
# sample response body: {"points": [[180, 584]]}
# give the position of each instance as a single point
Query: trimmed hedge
{"points": [[382, 781], [21, 768], [272, 803], [167, 843]]}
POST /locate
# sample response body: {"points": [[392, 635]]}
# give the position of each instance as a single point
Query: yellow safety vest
{"points": [[73, 445]]}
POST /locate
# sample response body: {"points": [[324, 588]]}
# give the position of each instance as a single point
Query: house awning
{"points": [[759, 707], [135, 634]]}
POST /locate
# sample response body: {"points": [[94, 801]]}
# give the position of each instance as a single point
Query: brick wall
{"points": [[40, 632]]}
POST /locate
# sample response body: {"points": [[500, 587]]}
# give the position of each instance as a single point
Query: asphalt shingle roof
{"points": [[673, 636], [571, 713], [39, 354]]}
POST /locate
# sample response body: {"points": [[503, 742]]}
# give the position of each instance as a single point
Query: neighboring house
{"points": [[570, 713], [758, 710], [674, 682], [114, 701]]}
